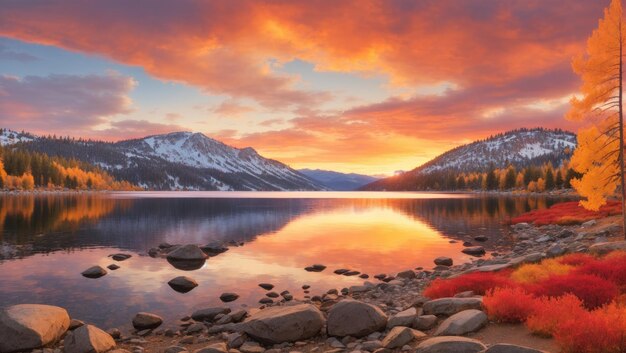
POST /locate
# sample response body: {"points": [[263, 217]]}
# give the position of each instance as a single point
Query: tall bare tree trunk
{"points": [[621, 132]]}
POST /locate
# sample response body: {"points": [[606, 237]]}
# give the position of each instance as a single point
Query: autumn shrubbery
{"points": [[567, 213], [578, 299], [478, 282]]}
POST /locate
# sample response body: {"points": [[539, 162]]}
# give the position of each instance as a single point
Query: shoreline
{"points": [[398, 297]]}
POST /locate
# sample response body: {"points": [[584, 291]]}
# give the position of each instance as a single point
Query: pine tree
{"points": [[549, 179], [558, 181]]}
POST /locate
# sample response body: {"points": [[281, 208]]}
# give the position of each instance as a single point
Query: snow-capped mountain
{"points": [[520, 148], [338, 181], [179, 160]]}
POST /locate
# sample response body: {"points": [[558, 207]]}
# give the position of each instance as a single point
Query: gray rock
{"points": [[208, 314], [474, 250], [403, 318], [399, 336], [450, 344], [605, 248], [229, 297], [236, 339], [371, 346], [443, 261], [461, 323], [143, 321], [590, 223], [115, 333], [284, 324], [88, 339], [451, 306], [425, 322], [214, 348], [121, 257], [187, 252], [183, 284], [408, 274], [251, 347], [27, 326], [555, 250], [74, 324], [354, 318], [175, 349], [510, 348], [94, 272]]}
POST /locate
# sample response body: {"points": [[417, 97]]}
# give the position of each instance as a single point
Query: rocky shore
{"points": [[384, 314]]}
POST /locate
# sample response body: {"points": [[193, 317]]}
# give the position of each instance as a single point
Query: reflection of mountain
{"points": [[48, 223]]}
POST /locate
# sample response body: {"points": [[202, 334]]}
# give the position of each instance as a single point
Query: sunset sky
{"points": [[354, 86]]}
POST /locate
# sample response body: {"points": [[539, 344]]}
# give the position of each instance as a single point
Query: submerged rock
{"points": [[182, 284], [315, 268], [94, 272], [229, 297], [121, 257], [208, 314], [284, 324], [266, 286], [474, 250], [187, 257], [24, 327], [443, 261], [354, 318]]}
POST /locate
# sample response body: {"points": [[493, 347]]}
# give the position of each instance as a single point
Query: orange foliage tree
{"points": [[600, 154]]}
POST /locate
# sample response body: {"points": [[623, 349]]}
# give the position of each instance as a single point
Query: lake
{"points": [[46, 241]]}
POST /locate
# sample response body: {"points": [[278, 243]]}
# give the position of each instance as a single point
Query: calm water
{"points": [[47, 241]]}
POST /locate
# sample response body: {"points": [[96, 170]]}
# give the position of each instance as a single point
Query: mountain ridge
{"points": [[338, 181], [173, 161]]}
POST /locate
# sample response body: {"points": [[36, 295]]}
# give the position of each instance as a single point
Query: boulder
{"points": [[182, 284], [229, 297], [399, 336], [408, 274], [88, 339], [450, 344], [143, 321], [27, 326], [607, 247], [354, 318], [474, 250], [425, 322], [187, 257], [208, 314], [214, 348], [403, 318], [251, 347], [461, 323], [175, 349], [284, 323], [451, 306], [510, 348], [236, 339], [443, 261], [94, 272]]}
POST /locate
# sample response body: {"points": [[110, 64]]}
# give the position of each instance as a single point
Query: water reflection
{"points": [[46, 241]]}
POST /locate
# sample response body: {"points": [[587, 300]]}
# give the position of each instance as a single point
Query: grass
{"points": [[567, 213]]}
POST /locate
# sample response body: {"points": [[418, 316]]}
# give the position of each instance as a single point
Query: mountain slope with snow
{"points": [[180, 160], [520, 148]]}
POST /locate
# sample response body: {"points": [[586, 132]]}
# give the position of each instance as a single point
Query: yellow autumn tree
{"points": [[599, 155]]}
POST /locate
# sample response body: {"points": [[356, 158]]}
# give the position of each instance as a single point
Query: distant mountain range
{"points": [[520, 148], [175, 161], [338, 181]]}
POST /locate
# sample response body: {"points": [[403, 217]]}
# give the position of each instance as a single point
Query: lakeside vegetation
{"points": [[24, 170]]}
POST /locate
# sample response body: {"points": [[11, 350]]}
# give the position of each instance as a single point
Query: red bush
{"points": [[550, 312], [592, 290], [511, 304], [599, 331], [567, 213], [611, 268], [479, 282], [576, 259]]}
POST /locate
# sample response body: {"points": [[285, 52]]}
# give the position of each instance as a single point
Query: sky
{"points": [[365, 86]]}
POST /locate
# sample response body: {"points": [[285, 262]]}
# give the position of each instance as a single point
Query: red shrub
{"points": [[479, 282], [600, 331], [567, 213], [550, 312], [592, 290], [511, 304], [576, 259], [611, 268]]}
